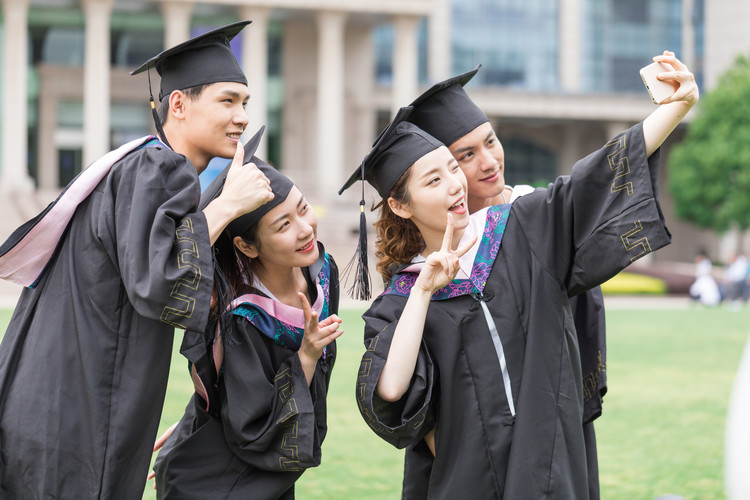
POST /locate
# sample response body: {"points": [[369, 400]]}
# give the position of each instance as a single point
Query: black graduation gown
{"points": [[558, 242], [590, 325], [85, 359], [271, 425]]}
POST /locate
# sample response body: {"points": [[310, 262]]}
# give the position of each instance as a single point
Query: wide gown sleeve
{"points": [[160, 241], [269, 415], [588, 226], [407, 420]]}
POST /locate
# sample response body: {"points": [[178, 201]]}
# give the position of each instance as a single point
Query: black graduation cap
{"points": [[395, 150], [280, 185], [446, 111], [204, 59]]}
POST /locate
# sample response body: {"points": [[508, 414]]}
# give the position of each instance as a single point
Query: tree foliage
{"points": [[709, 172]]}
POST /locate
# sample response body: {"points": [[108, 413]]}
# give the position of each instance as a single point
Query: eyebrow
{"points": [[284, 216], [469, 148], [434, 170], [233, 93]]}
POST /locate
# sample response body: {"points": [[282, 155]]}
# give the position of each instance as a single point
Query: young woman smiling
{"points": [[258, 417], [471, 351]]}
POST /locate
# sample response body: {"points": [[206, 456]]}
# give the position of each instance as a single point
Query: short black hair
{"points": [[193, 93]]}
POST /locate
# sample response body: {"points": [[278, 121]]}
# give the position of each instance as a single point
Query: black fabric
{"points": [[446, 112], [395, 150], [271, 425], [588, 314], [85, 359], [202, 60], [558, 242]]}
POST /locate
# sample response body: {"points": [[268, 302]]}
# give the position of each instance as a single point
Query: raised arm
{"points": [[659, 124], [245, 189], [439, 269]]}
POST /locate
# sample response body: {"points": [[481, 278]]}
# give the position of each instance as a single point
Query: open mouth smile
{"points": [[459, 207], [307, 247]]}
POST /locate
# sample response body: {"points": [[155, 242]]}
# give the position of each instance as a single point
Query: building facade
{"points": [[558, 78]]}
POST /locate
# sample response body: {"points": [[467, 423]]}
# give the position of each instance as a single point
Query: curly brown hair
{"points": [[398, 239]]}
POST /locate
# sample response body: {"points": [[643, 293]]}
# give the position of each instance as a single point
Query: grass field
{"points": [[669, 372]]}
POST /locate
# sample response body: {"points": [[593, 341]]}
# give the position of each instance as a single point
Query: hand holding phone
{"points": [[657, 89]]}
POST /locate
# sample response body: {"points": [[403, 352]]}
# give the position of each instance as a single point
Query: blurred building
{"points": [[558, 78]]}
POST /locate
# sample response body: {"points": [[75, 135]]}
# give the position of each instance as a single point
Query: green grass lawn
{"points": [[669, 372]]}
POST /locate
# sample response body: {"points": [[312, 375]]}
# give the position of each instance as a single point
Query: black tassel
{"points": [[154, 114], [360, 288]]}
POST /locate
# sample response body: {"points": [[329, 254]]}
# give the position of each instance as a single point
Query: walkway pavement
{"points": [[9, 293]]}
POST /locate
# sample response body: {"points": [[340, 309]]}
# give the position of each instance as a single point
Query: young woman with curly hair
{"points": [[471, 351]]}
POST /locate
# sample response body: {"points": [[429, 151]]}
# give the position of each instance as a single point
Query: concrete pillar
{"points": [[330, 89], [688, 35], [177, 16], [440, 48], [570, 51], [96, 68], [14, 172], [405, 61], [255, 64]]}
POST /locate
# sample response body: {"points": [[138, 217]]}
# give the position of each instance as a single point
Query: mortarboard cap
{"points": [[395, 150], [393, 153], [280, 185], [202, 60], [446, 111]]}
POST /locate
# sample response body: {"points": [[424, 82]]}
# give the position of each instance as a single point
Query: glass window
{"points": [[621, 37], [516, 43], [528, 163], [383, 39], [64, 46], [133, 48]]}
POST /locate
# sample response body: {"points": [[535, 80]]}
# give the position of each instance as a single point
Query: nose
{"points": [[455, 184], [488, 161], [305, 229], [240, 117]]}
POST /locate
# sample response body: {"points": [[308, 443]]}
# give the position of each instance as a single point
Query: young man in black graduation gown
{"points": [[84, 362], [497, 369], [446, 112]]}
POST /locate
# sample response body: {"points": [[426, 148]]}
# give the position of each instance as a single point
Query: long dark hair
{"points": [[232, 270]]}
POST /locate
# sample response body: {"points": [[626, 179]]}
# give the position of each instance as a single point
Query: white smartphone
{"points": [[657, 89]]}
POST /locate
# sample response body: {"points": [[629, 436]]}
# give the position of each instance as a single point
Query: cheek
{"points": [[471, 174], [500, 156]]}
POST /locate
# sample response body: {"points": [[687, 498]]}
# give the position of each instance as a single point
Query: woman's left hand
{"points": [[317, 336]]}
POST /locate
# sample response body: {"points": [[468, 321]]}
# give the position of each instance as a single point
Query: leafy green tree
{"points": [[709, 172]]}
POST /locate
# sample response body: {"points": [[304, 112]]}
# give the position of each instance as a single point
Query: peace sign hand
{"points": [[442, 266], [317, 334]]}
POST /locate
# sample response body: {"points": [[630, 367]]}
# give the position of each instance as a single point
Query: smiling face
{"points": [[213, 121], [481, 157], [286, 235], [436, 186]]}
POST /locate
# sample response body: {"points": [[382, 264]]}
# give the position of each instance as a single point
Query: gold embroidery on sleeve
{"points": [[591, 379], [630, 241], [289, 459], [621, 165], [180, 293]]}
